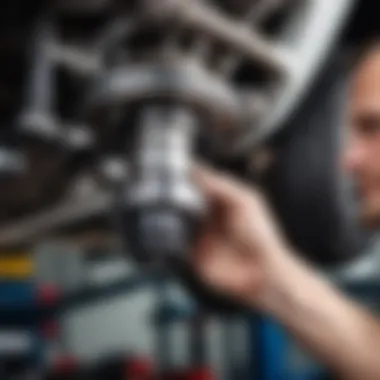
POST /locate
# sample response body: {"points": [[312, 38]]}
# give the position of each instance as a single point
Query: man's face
{"points": [[362, 157]]}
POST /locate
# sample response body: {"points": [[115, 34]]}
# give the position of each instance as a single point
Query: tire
{"points": [[307, 185]]}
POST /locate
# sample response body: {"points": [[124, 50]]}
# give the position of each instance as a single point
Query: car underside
{"points": [[80, 80]]}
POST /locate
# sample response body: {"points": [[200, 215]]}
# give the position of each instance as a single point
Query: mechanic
{"points": [[243, 254]]}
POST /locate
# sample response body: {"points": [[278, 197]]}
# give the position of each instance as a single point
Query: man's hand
{"points": [[241, 248], [243, 255]]}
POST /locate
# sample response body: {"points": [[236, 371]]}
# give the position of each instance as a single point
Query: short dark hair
{"points": [[359, 52], [363, 30]]}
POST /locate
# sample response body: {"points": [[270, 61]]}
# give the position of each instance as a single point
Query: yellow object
{"points": [[16, 267]]}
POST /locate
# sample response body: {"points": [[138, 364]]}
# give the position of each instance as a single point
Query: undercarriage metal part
{"points": [[175, 80], [290, 59], [217, 76], [235, 61], [38, 116], [33, 229], [162, 207], [170, 73]]}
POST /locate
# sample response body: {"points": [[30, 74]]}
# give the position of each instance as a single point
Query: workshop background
{"points": [[76, 298]]}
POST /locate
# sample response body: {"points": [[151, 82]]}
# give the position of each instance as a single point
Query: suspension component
{"points": [[38, 117], [162, 207]]}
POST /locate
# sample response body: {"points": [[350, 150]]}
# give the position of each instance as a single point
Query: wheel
{"points": [[307, 184]]}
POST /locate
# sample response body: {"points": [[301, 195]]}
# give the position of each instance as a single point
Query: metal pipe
{"points": [[36, 227], [257, 14], [38, 114], [75, 59], [261, 11], [210, 22]]}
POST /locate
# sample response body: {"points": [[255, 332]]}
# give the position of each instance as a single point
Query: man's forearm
{"points": [[342, 335]]}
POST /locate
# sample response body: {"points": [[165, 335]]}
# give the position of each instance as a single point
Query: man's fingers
{"points": [[222, 268], [218, 187]]}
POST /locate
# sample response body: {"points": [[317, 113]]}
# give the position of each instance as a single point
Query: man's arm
{"points": [[342, 335], [243, 254]]}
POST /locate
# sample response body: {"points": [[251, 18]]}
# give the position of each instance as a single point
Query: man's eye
{"points": [[369, 126]]}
